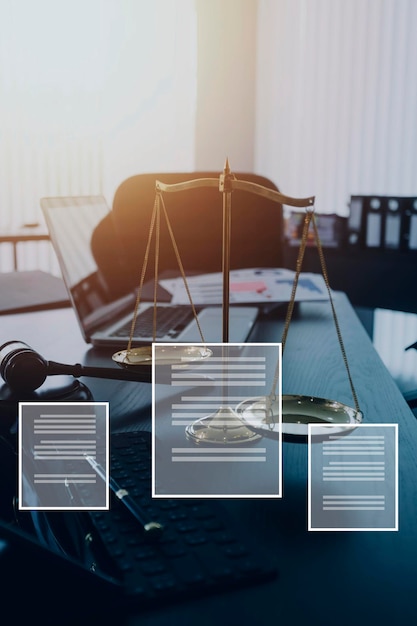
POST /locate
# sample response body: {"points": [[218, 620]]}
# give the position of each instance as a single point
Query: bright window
{"points": [[91, 92]]}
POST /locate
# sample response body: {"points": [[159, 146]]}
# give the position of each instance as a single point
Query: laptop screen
{"points": [[93, 266]]}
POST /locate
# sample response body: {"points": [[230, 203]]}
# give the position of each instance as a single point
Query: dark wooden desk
{"points": [[326, 578]]}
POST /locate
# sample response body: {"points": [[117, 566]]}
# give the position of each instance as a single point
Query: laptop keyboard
{"points": [[197, 553], [170, 321]]}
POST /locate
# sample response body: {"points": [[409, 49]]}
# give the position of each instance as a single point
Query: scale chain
{"points": [[310, 217], [181, 267], [143, 272], [156, 225]]}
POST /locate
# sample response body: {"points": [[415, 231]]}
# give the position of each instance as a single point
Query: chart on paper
{"points": [[258, 285]]}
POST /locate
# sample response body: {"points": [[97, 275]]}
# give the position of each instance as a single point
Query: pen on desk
{"points": [[69, 491], [151, 528]]}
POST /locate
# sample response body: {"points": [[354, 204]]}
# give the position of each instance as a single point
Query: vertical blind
{"points": [[337, 98], [336, 116]]}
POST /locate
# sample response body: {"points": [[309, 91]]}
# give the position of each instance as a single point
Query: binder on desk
{"points": [[382, 223], [354, 224], [394, 222], [373, 222], [366, 222], [409, 236]]}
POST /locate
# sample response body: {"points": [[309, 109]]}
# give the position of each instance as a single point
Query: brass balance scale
{"points": [[271, 416]]}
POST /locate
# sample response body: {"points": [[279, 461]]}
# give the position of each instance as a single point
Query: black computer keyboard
{"points": [[198, 550], [170, 320]]}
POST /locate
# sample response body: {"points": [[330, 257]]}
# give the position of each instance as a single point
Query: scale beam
{"points": [[235, 183], [227, 183]]}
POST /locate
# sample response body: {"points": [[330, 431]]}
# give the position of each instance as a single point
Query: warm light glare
{"points": [[73, 61], [91, 92]]}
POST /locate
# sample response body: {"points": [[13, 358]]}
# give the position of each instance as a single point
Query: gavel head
{"points": [[22, 368]]}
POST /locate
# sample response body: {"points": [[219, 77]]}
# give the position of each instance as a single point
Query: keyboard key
{"points": [[196, 549], [169, 320]]}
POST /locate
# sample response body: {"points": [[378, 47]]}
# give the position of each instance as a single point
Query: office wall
{"points": [[91, 92], [336, 116], [319, 95], [336, 96], [225, 111]]}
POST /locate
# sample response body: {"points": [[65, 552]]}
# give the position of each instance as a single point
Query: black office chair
{"points": [[196, 219]]}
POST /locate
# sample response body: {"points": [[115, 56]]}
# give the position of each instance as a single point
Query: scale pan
{"points": [[167, 355], [297, 413]]}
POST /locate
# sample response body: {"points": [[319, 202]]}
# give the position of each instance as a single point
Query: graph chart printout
{"points": [[214, 387], [353, 477], [63, 455]]}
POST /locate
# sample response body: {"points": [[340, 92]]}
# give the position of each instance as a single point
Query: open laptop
{"points": [[99, 283]]}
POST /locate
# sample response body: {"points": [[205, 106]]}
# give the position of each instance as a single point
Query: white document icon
{"points": [[225, 466], [353, 477], [57, 442]]}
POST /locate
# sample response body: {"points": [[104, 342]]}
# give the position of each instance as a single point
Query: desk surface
{"points": [[325, 577]]}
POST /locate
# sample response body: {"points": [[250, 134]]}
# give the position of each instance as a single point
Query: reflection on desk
{"points": [[325, 578]]}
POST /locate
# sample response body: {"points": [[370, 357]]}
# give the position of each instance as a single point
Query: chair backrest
{"points": [[196, 219]]}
